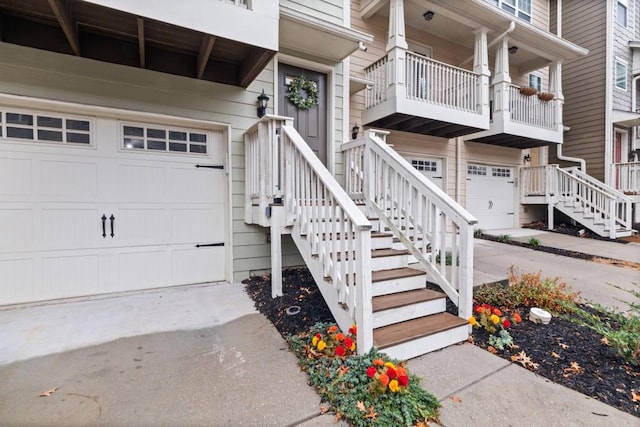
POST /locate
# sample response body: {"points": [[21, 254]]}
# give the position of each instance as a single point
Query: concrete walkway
{"points": [[201, 355]]}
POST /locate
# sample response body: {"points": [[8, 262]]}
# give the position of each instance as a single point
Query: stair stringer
{"points": [[344, 317]]}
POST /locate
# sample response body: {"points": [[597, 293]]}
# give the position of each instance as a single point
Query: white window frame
{"points": [[167, 151], [537, 86], [515, 8], [625, 5], [620, 62], [35, 128], [420, 48]]}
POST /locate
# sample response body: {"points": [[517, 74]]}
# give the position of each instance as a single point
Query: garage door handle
{"points": [[111, 220], [207, 245], [210, 166], [490, 204], [104, 226]]}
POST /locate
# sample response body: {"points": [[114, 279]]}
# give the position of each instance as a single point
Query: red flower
{"points": [[348, 342], [403, 380], [340, 350], [353, 330], [391, 373], [318, 336], [371, 371], [506, 323]]}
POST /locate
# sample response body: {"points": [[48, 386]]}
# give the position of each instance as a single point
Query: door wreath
{"points": [[303, 93]]}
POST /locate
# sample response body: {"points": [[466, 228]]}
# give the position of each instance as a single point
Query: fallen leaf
{"points": [[635, 397], [342, 370], [605, 341], [563, 345], [360, 405], [556, 355], [371, 414], [421, 424], [49, 392], [456, 399], [573, 369], [324, 409], [491, 349], [524, 360]]}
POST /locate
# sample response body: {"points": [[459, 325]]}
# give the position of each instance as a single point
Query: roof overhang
{"points": [[625, 118], [304, 34]]}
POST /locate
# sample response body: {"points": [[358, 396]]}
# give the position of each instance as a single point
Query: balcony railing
{"points": [[626, 177], [240, 3], [531, 110], [377, 73]]}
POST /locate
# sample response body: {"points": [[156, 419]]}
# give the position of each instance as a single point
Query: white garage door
{"points": [[92, 205], [429, 167], [491, 195]]}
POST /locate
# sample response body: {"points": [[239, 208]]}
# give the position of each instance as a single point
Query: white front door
{"points": [[94, 205], [432, 168], [491, 195]]}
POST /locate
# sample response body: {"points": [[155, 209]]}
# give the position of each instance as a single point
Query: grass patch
{"points": [[534, 242], [364, 390]]}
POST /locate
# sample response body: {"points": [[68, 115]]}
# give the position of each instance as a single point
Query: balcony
{"points": [[200, 39], [521, 121], [626, 178], [430, 97]]}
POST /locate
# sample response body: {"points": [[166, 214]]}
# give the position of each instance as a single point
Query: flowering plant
{"points": [[386, 376], [334, 343], [492, 319]]}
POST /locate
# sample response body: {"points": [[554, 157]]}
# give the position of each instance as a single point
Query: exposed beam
{"points": [[141, 42], [253, 65], [205, 52], [63, 16]]}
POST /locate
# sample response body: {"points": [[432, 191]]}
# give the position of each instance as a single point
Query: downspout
{"points": [[608, 106], [634, 132], [512, 26]]}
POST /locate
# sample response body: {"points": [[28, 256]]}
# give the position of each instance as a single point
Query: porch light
{"points": [[354, 131], [513, 50], [428, 15], [263, 101], [527, 158]]}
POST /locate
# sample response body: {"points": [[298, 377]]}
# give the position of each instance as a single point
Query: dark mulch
{"points": [[606, 377], [577, 230]]}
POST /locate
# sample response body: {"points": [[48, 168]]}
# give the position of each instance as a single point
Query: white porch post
{"points": [[481, 67], [396, 51], [501, 83], [555, 87]]}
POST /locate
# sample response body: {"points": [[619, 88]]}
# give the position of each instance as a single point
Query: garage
{"points": [[430, 167], [95, 201], [491, 195]]}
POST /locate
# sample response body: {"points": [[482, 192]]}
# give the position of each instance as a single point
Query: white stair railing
{"points": [[332, 233], [626, 177], [431, 225], [606, 204], [537, 181]]}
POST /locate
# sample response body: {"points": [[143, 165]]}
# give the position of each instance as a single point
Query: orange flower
{"points": [[517, 318], [340, 337], [497, 312], [393, 386], [332, 329], [378, 362], [401, 371], [384, 379]]}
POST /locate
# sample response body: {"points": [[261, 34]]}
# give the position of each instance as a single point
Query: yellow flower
{"points": [[314, 341], [393, 386], [353, 347], [390, 365], [321, 345], [495, 319], [473, 321]]}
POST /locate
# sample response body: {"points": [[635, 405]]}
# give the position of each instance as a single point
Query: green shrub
{"points": [[504, 238], [534, 242]]}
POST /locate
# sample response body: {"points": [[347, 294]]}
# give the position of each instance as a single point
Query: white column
{"points": [[555, 87], [481, 67], [501, 83], [396, 51]]}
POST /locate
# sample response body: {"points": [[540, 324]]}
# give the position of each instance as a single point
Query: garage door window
{"points": [[425, 165], [156, 138], [476, 170], [45, 127], [501, 172]]}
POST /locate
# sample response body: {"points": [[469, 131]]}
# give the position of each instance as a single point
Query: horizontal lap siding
{"points": [[327, 10], [584, 84], [41, 74]]}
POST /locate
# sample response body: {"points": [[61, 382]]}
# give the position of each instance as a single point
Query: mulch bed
{"points": [[553, 347]]}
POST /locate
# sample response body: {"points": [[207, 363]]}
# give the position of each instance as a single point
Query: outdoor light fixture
{"points": [[354, 131], [513, 50], [527, 158], [428, 15], [263, 100]]}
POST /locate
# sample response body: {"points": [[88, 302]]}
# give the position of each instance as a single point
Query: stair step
{"points": [[397, 280], [378, 253], [401, 299], [410, 330]]}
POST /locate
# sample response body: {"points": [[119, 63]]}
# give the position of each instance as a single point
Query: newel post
{"points": [[481, 67], [396, 51], [501, 83], [364, 307]]}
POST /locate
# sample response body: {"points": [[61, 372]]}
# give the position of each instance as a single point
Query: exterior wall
{"points": [[622, 52], [540, 13], [584, 85], [37, 73], [327, 10]]}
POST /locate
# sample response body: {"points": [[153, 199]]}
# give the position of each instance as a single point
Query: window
{"points": [[501, 172], [425, 165], [621, 75], [621, 12], [519, 8], [45, 127], [535, 81], [158, 138], [476, 170]]}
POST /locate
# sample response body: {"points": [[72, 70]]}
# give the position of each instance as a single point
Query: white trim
{"points": [[330, 71], [624, 149], [625, 64], [538, 75], [608, 106], [414, 155], [626, 6]]}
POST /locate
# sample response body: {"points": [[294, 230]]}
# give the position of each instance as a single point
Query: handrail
{"points": [[430, 224], [599, 184], [626, 177], [530, 110]]}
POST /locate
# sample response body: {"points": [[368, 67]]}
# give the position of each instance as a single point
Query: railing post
{"points": [[465, 305], [396, 51], [364, 308], [501, 83]]}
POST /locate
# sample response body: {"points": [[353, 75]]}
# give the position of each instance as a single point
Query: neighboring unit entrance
{"points": [[491, 195], [429, 167], [94, 205], [311, 123]]}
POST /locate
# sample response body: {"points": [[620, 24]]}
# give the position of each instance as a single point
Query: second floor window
{"points": [[621, 75], [519, 8], [535, 81], [621, 13]]}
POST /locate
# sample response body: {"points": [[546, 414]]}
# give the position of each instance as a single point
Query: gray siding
{"points": [[328, 10], [584, 23], [621, 52]]}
